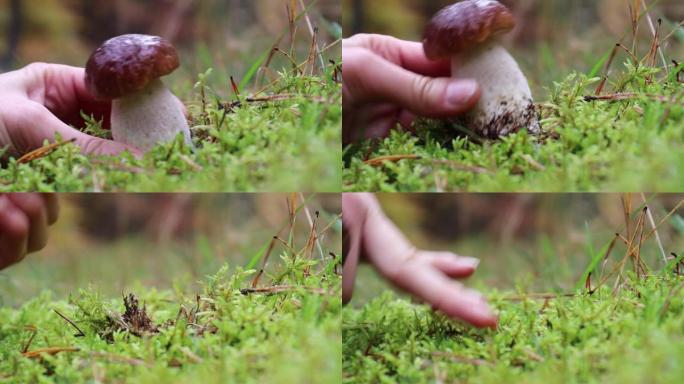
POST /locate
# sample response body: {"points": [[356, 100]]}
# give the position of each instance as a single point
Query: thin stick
{"points": [[265, 259], [657, 236], [49, 351], [676, 208], [675, 30], [378, 161], [538, 296], [80, 332], [312, 32], [627, 96], [43, 151], [280, 289], [34, 332], [312, 225], [609, 64], [630, 53], [655, 35], [286, 245]]}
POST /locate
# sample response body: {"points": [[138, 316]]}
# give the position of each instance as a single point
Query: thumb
{"points": [[47, 125], [422, 95]]}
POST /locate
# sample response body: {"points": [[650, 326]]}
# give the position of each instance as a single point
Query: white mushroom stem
{"points": [[148, 117], [506, 105]]}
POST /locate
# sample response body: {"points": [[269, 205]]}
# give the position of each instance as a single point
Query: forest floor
{"points": [[272, 316], [609, 129], [618, 318], [284, 139], [633, 337]]}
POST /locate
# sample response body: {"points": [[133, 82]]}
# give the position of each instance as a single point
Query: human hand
{"points": [[40, 100], [24, 218], [388, 81], [427, 275]]}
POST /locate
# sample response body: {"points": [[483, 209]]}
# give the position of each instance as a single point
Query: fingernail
{"points": [[484, 311], [475, 297], [469, 261], [460, 92]]}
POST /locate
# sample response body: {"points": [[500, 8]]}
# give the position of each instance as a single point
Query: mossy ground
{"points": [[206, 323], [600, 318], [634, 337], [286, 140], [219, 335], [631, 143]]}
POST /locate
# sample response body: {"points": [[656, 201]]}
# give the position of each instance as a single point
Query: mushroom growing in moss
{"points": [[466, 33], [127, 70]]}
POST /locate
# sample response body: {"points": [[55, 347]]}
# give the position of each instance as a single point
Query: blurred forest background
{"points": [[541, 242], [227, 35], [120, 242], [552, 38]]}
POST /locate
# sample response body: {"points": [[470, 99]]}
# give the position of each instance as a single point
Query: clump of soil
{"points": [[134, 320]]}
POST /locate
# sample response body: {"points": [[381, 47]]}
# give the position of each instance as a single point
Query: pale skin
{"points": [[427, 275], [24, 222], [41, 100], [387, 82]]}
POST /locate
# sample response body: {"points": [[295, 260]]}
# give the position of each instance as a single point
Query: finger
{"points": [[355, 207], [384, 244], [62, 90], [33, 206], [352, 251], [66, 94], [406, 120], [51, 207], [430, 285], [425, 96], [451, 264], [406, 54], [13, 233], [43, 125], [377, 122]]}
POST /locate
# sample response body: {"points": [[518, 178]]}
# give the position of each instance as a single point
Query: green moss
{"points": [[221, 334], [290, 142], [632, 144], [635, 336]]}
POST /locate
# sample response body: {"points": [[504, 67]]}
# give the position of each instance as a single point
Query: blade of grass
{"points": [[602, 61], [596, 257]]}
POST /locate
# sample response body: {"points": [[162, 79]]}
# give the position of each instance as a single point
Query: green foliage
{"points": [[636, 143], [633, 337], [289, 140], [225, 333]]}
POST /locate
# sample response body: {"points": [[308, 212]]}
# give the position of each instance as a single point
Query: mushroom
{"points": [[466, 33], [127, 70]]}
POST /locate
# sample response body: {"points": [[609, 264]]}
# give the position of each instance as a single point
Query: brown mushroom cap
{"points": [[464, 25], [127, 64]]}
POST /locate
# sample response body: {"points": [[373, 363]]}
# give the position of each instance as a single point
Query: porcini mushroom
{"points": [[466, 32], [127, 70]]}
